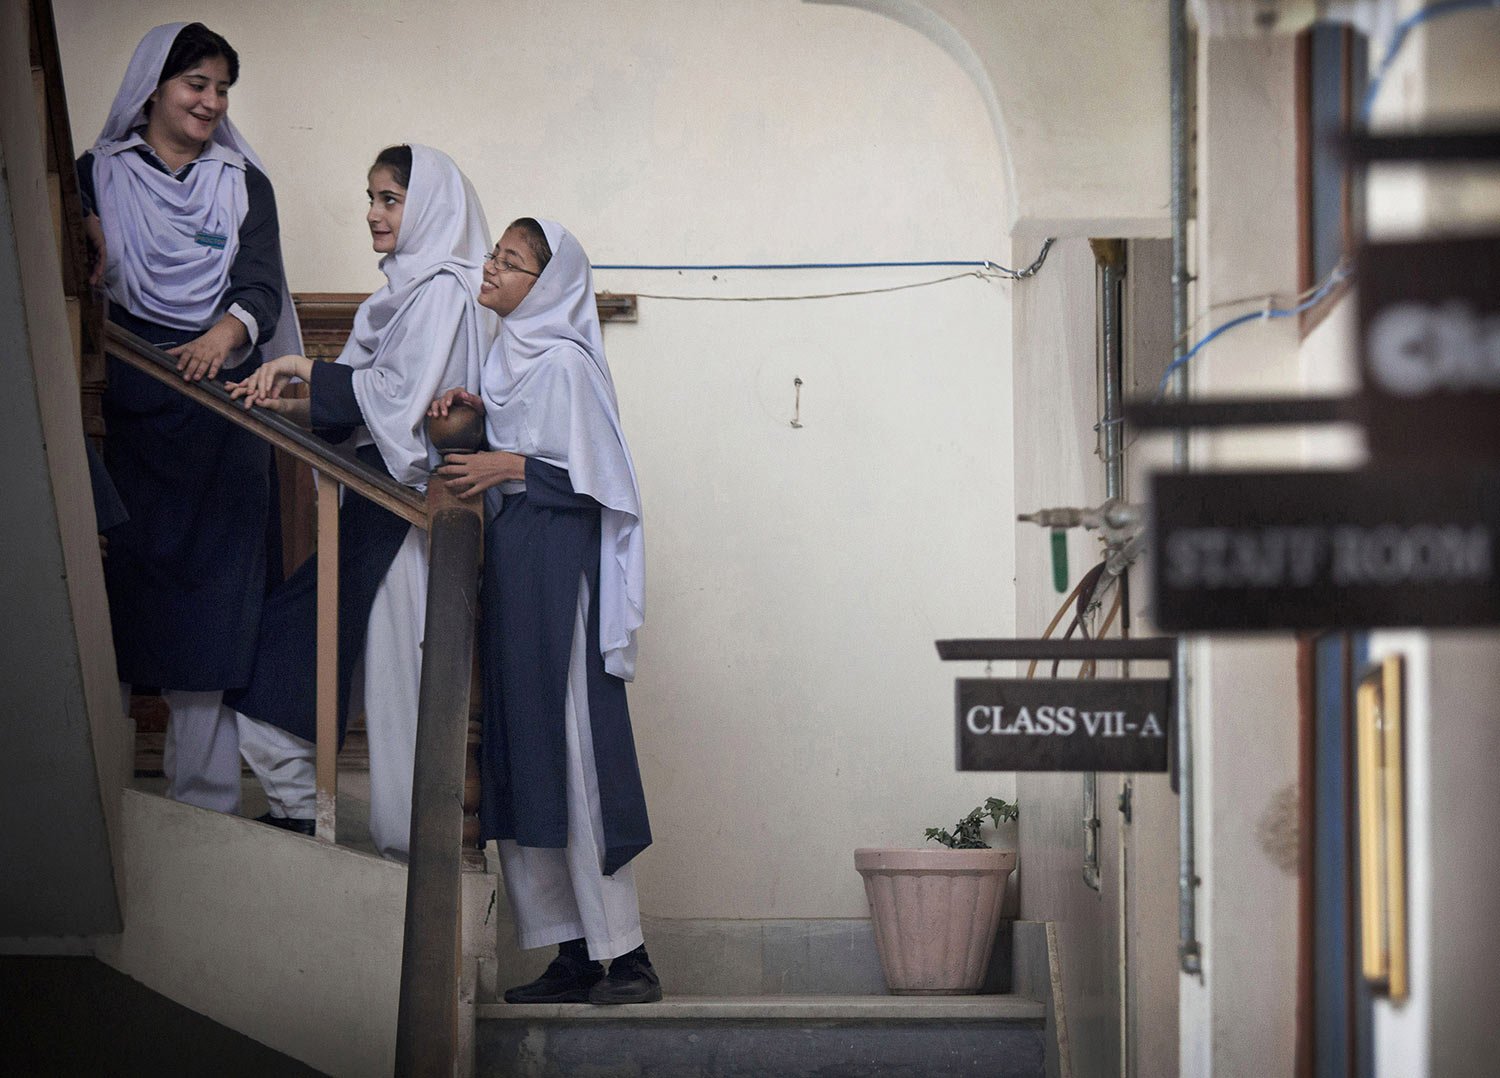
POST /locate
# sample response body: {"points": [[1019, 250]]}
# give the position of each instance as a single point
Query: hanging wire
{"points": [[1260, 301], [984, 270], [1343, 270], [985, 265], [1340, 273], [1398, 38], [979, 274]]}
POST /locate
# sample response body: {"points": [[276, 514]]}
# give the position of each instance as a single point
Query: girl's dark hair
{"points": [[398, 160], [536, 239], [195, 42]]}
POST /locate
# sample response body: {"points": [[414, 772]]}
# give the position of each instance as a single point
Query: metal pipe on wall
{"points": [[1188, 949], [1110, 254]]}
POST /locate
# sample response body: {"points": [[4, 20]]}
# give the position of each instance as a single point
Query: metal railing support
{"points": [[427, 1024]]}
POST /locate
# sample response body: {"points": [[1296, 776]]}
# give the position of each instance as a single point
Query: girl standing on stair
{"points": [[563, 596], [182, 221], [424, 330]]}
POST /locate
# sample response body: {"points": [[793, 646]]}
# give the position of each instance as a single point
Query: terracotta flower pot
{"points": [[935, 913]]}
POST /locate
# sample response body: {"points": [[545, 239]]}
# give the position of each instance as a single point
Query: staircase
{"points": [[755, 1036], [783, 998]]}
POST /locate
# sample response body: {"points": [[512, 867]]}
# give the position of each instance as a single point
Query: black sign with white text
{"points": [[1063, 724], [1429, 335], [1313, 550]]}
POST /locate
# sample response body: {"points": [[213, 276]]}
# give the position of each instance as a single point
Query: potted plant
{"points": [[936, 909]]}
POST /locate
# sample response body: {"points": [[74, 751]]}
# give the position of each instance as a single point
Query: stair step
{"points": [[743, 1036], [801, 1008]]}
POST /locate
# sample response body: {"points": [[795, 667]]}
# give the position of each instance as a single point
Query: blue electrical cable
{"points": [[1339, 274], [788, 265], [1398, 38], [983, 264]]}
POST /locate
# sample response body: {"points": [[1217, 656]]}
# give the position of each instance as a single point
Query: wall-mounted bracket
{"points": [[1135, 649]]}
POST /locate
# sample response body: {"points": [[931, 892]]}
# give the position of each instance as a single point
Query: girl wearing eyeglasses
{"points": [[563, 596], [422, 331]]}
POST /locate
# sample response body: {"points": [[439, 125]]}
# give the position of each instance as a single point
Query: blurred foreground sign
{"points": [[1429, 334], [1063, 724], [1315, 550]]}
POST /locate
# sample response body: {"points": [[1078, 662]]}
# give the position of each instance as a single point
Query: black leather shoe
{"points": [[567, 980], [631, 979], [289, 823]]}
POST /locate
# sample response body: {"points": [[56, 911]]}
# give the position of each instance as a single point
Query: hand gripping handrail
{"points": [[338, 464]]}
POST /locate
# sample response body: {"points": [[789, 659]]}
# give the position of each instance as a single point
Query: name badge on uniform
{"points": [[211, 239]]}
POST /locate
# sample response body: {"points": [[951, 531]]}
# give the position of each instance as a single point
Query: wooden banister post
{"points": [[427, 1024]]}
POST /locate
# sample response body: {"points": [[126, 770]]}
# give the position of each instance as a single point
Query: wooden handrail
{"points": [[336, 463]]}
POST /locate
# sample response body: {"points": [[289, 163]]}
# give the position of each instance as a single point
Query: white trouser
{"points": [[286, 764], [559, 895], [201, 752]]}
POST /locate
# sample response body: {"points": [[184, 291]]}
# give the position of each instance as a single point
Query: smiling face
{"points": [[186, 108], [387, 204], [509, 272]]}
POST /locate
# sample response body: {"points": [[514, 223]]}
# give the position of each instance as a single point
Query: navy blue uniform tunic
{"points": [[186, 572], [537, 548], [282, 688]]}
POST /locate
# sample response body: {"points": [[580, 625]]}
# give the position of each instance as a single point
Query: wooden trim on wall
{"points": [[1302, 106], [1307, 277], [328, 317]]}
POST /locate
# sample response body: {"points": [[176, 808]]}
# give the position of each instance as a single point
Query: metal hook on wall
{"points": [[797, 403]]}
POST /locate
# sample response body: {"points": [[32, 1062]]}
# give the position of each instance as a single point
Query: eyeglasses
{"points": [[507, 265]]}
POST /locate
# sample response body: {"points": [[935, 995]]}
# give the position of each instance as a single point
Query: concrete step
{"points": [[997, 1036]]}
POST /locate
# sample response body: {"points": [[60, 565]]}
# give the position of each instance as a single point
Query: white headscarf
{"points": [[410, 341], [157, 267], [548, 394]]}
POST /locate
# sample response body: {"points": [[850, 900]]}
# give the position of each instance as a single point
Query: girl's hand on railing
{"points": [[94, 229], [458, 395], [468, 474], [265, 385], [203, 356], [297, 409]]}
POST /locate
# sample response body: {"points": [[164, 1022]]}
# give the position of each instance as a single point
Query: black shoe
{"points": [[289, 823], [567, 980], [631, 979]]}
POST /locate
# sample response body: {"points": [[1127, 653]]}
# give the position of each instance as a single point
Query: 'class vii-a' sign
{"points": [[1063, 724]]}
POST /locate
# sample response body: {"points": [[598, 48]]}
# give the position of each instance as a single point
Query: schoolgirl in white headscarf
{"points": [[563, 597], [422, 331], [183, 224]]}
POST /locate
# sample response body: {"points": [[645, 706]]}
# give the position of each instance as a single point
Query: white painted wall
{"points": [[294, 943], [1447, 74], [1238, 1019], [1077, 92], [1056, 407], [790, 705]]}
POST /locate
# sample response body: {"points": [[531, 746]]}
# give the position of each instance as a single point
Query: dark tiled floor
{"points": [[65, 1017]]}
